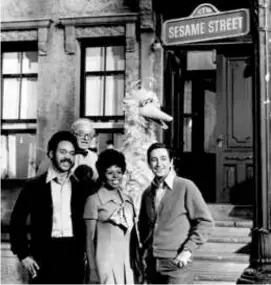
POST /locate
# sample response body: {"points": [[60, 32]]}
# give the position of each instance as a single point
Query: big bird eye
{"points": [[145, 102]]}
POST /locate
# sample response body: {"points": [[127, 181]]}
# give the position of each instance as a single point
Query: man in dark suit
{"points": [[52, 206]]}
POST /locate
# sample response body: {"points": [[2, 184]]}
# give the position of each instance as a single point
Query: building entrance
{"points": [[209, 93]]}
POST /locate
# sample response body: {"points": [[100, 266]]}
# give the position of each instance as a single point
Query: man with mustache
{"points": [[84, 132], [54, 203]]}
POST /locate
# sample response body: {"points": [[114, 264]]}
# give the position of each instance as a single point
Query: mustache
{"points": [[66, 160]]}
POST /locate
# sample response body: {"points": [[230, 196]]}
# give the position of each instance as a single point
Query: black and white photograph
{"points": [[135, 142]]}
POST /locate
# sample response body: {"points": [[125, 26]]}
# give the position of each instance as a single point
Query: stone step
{"points": [[214, 282], [216, 247], [222, 257], [218, 271], [236, 224], [230, 212], [230, 239], [230, 231]]}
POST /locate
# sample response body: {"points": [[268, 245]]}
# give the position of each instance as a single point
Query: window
{"points": [[19, 75], [103, 70]]}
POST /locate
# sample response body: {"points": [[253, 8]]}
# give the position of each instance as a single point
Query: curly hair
{"points": [[108, 158], [61, 136]]}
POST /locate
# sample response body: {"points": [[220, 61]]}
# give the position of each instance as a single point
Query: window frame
{"points": [[6, 124], [101, 42], [16, 47]]}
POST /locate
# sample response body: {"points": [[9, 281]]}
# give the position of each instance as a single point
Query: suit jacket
{"points": [[35, 202]]}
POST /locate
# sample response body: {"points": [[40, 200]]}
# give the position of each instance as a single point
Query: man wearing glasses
{"points": [[84, 132]]}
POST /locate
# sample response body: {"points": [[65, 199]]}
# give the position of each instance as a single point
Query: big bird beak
{"points": [[152, 112]]}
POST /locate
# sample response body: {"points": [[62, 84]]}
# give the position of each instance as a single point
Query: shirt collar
{"points": [[168, 181], [52, 174]]}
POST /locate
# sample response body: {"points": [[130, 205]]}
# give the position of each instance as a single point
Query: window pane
{"points": [[115, 58], [26, 155], [8, 156], [11, 98], [94, 96], [108, 140], [11, 62], [118, 140], [29, 98], [188, 97], [94, 59], [18, 156], [201, 60], [187, 135], [4, 157], [30, 62], [114, 95]]}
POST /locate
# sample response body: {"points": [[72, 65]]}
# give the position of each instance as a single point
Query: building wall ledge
{"points": [[25, 24], [106, 19]]}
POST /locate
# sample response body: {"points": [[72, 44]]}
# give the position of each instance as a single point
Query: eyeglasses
{"points": [[83, 136]]}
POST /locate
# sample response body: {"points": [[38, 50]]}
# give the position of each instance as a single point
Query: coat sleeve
{"points": [[18, 224]]}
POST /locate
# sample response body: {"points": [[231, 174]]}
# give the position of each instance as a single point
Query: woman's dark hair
{"points": [[108, 158], [156, 146], [83, 173], [61, 136]]}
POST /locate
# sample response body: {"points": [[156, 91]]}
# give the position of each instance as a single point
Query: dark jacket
{"points": [[35, 202]]}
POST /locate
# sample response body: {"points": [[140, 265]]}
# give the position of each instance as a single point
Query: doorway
{"points": [[209, 93]]}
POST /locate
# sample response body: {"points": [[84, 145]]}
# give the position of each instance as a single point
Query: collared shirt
{"points": [[166, 184], [90, 160], [61, 197]]}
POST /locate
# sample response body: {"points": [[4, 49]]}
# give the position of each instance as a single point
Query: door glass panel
{"points": [[187, 135], [188, 97], [201, 60], [210, 122]]}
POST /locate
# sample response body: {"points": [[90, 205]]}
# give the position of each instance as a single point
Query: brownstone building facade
{"points": [[66, 59]]}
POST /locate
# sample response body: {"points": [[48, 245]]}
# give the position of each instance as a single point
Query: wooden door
{"points": [[234, 156]]}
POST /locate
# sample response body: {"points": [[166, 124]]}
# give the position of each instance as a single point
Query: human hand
{"points": [[31, 266], [183, 258]]}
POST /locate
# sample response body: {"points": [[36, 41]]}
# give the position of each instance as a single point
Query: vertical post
{"points": [[259, 270]]}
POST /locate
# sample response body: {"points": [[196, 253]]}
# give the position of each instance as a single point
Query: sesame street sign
{"points": [[204, 24]]}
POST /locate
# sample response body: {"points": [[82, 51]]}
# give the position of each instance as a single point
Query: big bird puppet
{"points": [[142, 116]]}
